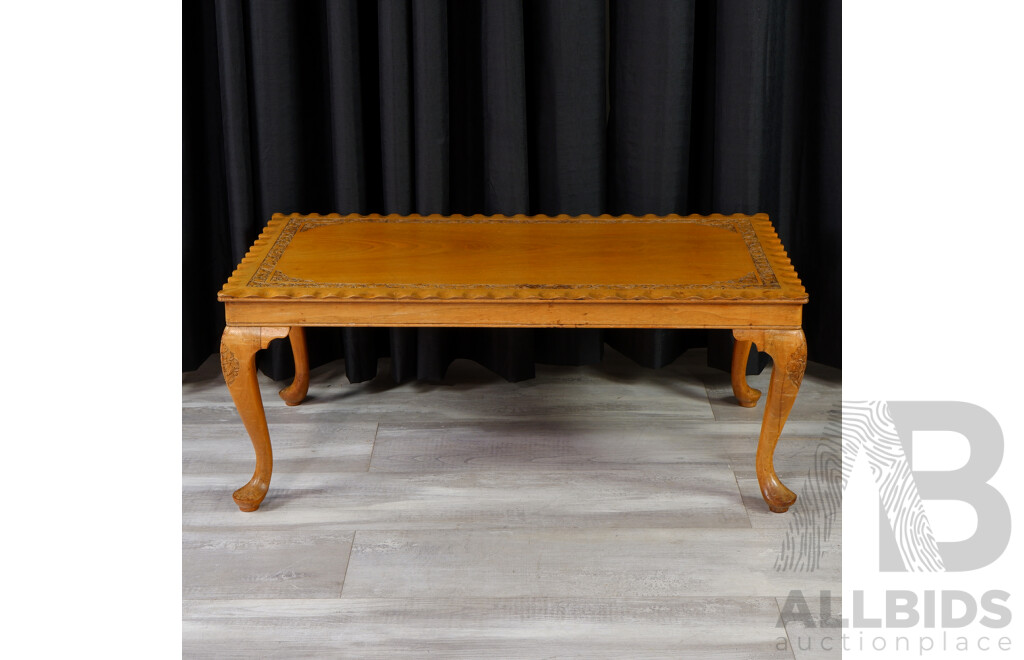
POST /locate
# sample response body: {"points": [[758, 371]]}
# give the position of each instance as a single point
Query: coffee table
{"points": [[714, 271]]}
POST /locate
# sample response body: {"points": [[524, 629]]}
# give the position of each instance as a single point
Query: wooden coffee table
{"points": [[515, 272]]}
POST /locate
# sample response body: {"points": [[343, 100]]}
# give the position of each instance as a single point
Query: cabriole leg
{"points": [[788, 350], [295, 393], [746, 395], [238, 348]]}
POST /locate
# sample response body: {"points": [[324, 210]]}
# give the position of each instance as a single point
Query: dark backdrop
{"points": [[508, 106]]}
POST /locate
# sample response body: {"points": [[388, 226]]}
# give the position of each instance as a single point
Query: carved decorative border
{"points": [[796, 366], [228, 364], [267, 274]]}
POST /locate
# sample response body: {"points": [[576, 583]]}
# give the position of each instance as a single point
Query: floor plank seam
{"points": [[785, 630], [740, 491], [707, 396], [348, 561], [373, 446]]}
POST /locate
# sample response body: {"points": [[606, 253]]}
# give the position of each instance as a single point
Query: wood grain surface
{"points": [[584, 258], [474, 628], [620, 518]]}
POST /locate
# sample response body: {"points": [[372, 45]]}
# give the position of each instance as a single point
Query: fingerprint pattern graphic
{"points": [[812, 524], [868, 427]]}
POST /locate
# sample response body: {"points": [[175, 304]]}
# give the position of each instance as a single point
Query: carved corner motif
{"points": [[729, 224], [277, 277], [750, 279], [268, 267], [228, 364]]}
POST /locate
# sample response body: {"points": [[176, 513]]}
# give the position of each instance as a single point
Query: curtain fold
{"points": [[503, 100], [567, 110], [507, 106], [430, 105], [649, 127]]}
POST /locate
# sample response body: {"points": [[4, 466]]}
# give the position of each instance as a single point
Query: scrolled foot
{"points": [[250, 496], [776, 495], [751, 400]]}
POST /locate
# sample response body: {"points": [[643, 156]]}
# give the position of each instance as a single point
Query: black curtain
{"points": [[508, 106]]}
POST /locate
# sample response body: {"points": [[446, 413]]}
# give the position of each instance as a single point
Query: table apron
{"points": [[540, 314]]}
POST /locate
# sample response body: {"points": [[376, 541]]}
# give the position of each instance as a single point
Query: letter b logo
{"points": [[884, 431]]}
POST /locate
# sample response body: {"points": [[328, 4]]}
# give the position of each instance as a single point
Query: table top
{"points": [[529, 258]]}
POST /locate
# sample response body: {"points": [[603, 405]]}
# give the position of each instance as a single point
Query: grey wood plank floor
{"points": [[601, 511]]}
